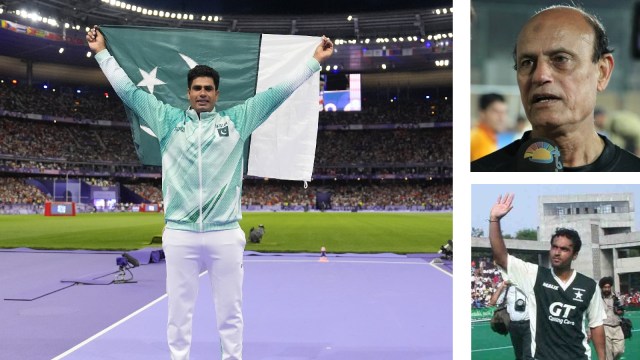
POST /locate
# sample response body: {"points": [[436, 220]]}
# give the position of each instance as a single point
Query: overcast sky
{"points": [[525, 209]]}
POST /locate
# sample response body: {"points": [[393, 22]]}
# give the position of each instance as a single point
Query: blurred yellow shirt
{"points": [[483, 141]]}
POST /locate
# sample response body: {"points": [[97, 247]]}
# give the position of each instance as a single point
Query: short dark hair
{"points": [[601, 43], [203, 71], [487, 99], [605, 280], [571, 235]]}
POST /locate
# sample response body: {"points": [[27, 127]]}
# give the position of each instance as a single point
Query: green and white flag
{"points": [[158, 59]]}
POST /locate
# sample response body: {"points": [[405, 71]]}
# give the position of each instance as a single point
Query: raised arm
{"points": [[498, 211], [255, 110], [144, 104]]}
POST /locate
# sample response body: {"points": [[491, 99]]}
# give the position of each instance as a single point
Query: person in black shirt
{"points": [[562, 60], [561, 302]]}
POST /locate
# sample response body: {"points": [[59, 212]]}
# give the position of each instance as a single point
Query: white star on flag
{"points": [[149, 79]]}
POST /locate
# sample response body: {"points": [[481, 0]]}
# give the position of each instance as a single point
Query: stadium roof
{"points": [[402, 27]]}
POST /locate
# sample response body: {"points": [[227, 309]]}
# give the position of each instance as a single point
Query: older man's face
{"points": [[557, 78]]}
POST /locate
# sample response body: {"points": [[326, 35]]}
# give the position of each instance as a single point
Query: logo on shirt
{"points": [[559, 313], [179, 128], [550, 286], [578, 294], [223, 129]]}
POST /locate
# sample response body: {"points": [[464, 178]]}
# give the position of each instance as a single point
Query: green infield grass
{"points": [[285, 232]]}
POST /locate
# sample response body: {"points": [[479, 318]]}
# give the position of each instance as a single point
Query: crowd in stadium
{"points": [[397, 112], [147, 191], [485, 278], [57, 144], [16, 191], [61, 101], [99, 153], [631, 299], [64, 142], [285, 195], [384, 146], [365, 196]]}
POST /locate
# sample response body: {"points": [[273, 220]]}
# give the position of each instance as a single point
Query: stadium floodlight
{"points": [[384, 66], [1, 10], [216, 18], [88, 54], [61, 50]]}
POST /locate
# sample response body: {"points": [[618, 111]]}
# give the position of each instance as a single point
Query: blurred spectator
{"points": [[621, 127], [485, 278], [492, 120]]}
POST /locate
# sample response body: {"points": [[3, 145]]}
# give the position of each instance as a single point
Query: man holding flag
{"points": [[202, 152]]}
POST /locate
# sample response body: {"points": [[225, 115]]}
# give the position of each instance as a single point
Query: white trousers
{"points": [[220, 252]]}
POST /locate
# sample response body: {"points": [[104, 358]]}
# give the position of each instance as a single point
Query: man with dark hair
{"points": [[562, 61], [559, 299], [202, 166], [614, 337], [492, 117]]}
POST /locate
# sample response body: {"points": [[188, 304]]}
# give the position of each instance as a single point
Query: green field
{"points": [[487, 345], [285, 232]]}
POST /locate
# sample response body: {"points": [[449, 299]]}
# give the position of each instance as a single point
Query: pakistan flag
{"points": [[158, 60]]}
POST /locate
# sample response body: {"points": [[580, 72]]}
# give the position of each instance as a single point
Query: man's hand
{"points": [[95, 40], [324, 50], [501, 207]]}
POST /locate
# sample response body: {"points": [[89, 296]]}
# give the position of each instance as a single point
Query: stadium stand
{"points": [[485, 278]]}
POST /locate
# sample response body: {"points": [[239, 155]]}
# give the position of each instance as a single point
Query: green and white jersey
{"points": [[202, 156], [560, 312]]}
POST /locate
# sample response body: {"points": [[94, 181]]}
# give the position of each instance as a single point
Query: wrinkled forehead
{"points": [[564, 27]]}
